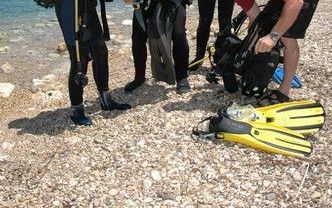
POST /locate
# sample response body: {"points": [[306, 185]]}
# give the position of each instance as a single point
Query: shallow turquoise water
{"points": [[32, 34], [27, 10]]}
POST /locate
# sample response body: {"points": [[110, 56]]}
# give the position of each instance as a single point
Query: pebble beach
{"points": [[146, 156]]}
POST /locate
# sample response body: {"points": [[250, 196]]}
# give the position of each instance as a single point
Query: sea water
{"points": [[15, 11], [32, 34]]}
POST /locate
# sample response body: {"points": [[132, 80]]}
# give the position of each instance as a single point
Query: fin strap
{"points": [[203, 134]]}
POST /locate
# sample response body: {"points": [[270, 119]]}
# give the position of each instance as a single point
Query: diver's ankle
{"points": [[79, 117], [284, 90]]}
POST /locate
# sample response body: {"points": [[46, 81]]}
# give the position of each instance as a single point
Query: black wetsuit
{"points": [[95, 46], [180, 45], [206, 11]]}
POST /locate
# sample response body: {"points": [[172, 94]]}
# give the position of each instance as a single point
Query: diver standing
{"points": [[91, 41], [180, 46], [206, 11], [292, 24]]}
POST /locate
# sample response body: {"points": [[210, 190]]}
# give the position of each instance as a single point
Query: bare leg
{"points": [[291, 60]]}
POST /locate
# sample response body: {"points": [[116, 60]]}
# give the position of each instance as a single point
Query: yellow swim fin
{"points": [[305, 117], [261, 136]]}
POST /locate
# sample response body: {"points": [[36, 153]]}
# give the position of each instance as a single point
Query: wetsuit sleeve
{"points": [[246, 5]]}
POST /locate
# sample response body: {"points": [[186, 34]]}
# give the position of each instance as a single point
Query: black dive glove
{"points": [[45, 3]]}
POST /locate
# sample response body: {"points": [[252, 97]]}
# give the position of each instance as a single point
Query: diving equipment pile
{"points": [[280, 128], [236, 56]]}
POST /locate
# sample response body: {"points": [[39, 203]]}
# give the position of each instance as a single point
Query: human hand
{"points": [[264, 44]]}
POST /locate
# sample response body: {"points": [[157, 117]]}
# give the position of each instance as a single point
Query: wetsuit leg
{"points": [[65, 14], [206, 10], [225, 11], [180, 44], [99, 52], [75, 90], [139, 49]]}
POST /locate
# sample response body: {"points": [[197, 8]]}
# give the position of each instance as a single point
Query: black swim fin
{"points": [[160, 27]]}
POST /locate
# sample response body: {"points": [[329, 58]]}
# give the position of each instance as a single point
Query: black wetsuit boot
{"points": [[206, 11], [79, 117]]}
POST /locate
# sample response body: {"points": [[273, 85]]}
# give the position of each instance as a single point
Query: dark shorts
{"points": [[301, 24]]}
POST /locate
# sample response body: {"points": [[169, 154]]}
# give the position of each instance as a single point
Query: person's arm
{"points": [[289, 13], [253, 12], [246, 5], [251, 9]]}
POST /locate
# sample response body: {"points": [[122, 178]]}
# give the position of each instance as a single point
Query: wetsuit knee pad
{"points": [[258, 75]]}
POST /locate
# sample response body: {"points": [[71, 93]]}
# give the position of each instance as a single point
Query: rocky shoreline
{"points": [[146, 157]]}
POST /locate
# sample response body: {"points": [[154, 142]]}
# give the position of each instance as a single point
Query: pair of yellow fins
{"points": [[279, 128]]}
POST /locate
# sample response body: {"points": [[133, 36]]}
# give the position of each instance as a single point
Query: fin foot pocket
{"points": [[273, 97]]}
